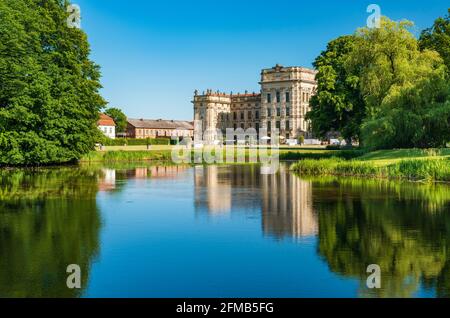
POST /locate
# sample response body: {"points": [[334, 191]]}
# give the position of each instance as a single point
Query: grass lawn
{"points": [[386, 157]]}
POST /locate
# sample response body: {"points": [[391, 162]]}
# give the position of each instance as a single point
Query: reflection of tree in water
{"points": [[48, 220], [405, 230]]}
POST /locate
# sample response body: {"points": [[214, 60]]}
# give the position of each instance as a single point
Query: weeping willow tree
{"points": [[384, 88], [405, 89]]}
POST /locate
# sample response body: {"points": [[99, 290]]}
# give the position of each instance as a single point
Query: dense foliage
{"points": [[337, 105], [437, 38], [404, 88], [49, 100], [418, 116], [382, 88], [119, 118]]}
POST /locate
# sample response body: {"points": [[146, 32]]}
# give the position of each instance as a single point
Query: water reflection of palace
{"points": [[285, 201], [212, 189], [287, 206]]}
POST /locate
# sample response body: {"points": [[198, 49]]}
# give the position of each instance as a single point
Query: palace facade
{"points": [[281, 104]]}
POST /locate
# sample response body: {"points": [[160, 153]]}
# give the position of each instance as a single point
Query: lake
{"points": [[138, 230]]}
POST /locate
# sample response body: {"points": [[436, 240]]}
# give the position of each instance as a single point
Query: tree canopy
{"points": [[437, 38], [381, 87], [404, 88], [388, 59], [49, 88], [119, 118], [337, 105]]}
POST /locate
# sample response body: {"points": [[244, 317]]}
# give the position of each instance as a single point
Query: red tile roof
{"points": [[105, 120]]}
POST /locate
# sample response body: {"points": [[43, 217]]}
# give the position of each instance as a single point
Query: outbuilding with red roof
{"points": [[107, 125]]}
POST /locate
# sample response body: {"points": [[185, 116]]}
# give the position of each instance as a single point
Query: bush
{"points": [[301, 139], [343, 154], [333, 147], [136, 142]]}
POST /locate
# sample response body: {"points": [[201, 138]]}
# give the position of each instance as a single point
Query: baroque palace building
{"points": [[282, 104]]}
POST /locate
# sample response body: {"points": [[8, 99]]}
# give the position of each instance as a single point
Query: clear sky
{"points": [[154, 54]]}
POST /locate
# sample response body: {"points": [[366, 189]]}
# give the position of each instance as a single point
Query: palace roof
{"points": [[161, 124]]}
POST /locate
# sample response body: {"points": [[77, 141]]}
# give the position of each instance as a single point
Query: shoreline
{"points": [[433, 169], [415, 165]]}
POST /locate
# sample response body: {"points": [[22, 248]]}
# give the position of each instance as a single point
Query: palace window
{"points": [[234, 115], [242, 116], [269, 98], [257, 127], [287, 125], [269, 112], [278, 97], [288, 97], [278, 111], [249, 115], [305, 97], [242, 126], [269, 126], [257, 114], [288, 111], [278, 125]]}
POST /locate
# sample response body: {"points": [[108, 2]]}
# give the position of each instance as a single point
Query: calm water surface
{"points": [[219, 231]]}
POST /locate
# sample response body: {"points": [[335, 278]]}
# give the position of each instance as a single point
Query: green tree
{"points": [[49, 100], [403, 88], [388, 59], [437, 38], [337, 106], [119, 118], [419, 116]]}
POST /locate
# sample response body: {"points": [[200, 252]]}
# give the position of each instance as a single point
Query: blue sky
{"points": [[154, 54]]}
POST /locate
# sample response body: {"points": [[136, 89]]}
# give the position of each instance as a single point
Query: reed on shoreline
{"points": [[127, 156], [426, 169]]}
